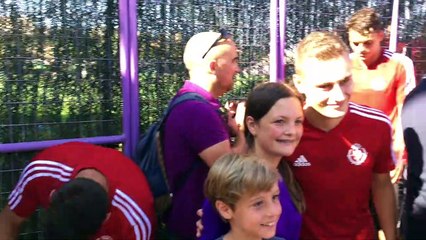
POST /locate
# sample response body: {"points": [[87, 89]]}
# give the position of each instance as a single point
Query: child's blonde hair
{"points": [[234, 175]]}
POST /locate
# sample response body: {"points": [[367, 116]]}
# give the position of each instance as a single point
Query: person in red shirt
{"points": [[344, 156], [382, 78], [90, 192]]}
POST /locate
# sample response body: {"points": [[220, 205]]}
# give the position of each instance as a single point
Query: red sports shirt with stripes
{"points": [[335, 170], [383, 86], [132, 211]]}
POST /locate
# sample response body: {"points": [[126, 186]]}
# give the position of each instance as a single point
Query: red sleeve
{"points": [[35, 184], [130, 218], [132, 205], [385, 159], [404, 83], [20, 201], [116, 227]]}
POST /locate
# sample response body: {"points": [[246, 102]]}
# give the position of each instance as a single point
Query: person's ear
{"points": [[298, 84], [51, 194], [212, 66], [107, 217], [251, 125], [224, 210]]}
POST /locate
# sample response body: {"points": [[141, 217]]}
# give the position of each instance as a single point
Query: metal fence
{"points": [[59, 64], [59, 78], [164, 29]]}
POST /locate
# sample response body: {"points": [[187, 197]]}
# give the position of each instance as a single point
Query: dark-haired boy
{"points": [[90, 192]]}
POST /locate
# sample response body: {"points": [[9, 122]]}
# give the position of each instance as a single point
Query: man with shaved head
{"points": [[195, 134]]}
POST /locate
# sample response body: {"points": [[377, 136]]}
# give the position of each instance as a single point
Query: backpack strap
{"points": [[180, 99], [173, 103]]}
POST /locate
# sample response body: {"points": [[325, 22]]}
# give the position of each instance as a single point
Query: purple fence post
{"points": [[281, 41], [129, 75], [134, 77], [125, 43], [273, 45], [277, 44], [39, 145]]}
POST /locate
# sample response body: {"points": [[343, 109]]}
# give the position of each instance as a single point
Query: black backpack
{"points": [[149, 157]]}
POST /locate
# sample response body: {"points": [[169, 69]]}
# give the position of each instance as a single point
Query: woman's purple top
{"points": [[288, 227]]}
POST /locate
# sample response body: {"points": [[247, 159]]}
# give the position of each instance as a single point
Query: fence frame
{"points": [[128, 56]]}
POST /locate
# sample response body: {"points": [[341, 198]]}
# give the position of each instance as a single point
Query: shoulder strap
{"points": [[185, 97], [180, 99], [173, 103]]}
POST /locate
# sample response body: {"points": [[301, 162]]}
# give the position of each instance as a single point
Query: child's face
{"points": [[279, 131], [256, 216]]}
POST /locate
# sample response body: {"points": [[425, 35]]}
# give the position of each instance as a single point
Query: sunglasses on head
{"points": [[223, 35]]}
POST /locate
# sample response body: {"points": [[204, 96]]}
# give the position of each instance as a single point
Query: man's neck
{"points": [[271, 161], [94, 175], [237, 235], [206, 81], [371, 62], [320, 121]]}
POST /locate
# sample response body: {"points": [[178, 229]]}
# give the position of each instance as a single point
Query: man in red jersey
{"points": [[344, 155], [90, 192], [382, 78]]}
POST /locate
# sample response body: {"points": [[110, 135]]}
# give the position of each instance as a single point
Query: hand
{"points": [[199, 223], [235, 116], [240, 114], [396, 174]]}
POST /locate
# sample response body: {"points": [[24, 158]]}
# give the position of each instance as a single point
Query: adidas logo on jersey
{"points": [[301, 162]]}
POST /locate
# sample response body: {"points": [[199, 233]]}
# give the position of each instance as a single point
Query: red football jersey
{"points": [[335, 170], [132, 209], [384, 86]]}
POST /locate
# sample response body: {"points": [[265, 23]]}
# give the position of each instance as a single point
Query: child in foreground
{"points": [[245, 193]]}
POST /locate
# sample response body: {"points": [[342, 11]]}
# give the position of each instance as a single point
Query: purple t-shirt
{"points": [[288, 227], [191, 127]]}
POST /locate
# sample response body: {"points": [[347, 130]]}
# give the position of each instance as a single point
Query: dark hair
{"points": [[259, 101], [77, 210], [365, 21]]}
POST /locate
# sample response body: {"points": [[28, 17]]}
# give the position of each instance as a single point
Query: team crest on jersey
{"points": [[357, 154], [378, 84]]}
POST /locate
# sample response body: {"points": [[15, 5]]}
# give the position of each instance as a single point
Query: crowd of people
{"points": [[318, 159]]}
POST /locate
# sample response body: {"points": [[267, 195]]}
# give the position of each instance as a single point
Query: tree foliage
{"points": [[59, 60]]}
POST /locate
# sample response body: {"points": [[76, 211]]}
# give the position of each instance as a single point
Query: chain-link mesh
{"points": [[165, 27], [59, 74], [59, 78], [11, 165], [304, 17]]}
